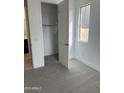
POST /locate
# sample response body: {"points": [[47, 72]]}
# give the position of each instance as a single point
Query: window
{"points": [[84, 23]]}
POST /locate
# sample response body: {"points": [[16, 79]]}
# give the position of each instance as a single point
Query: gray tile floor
{"points": [[55, 78]]}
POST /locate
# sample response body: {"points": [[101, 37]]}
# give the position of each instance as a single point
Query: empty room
{"points": [[64, 41]]}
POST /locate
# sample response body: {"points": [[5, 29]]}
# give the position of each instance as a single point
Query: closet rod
{"points": [[48, 25]]}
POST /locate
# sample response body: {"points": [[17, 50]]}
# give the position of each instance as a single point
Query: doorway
{"points": [[27, 45], [50, 32]]}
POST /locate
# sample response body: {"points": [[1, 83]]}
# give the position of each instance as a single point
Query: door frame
{"points": [[28, 30]]}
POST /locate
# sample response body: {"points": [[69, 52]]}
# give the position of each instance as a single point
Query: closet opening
{"points": [[50, 32]]}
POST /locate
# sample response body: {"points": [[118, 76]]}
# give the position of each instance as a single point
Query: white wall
{"points": [[71, 28], [89, 53], [50, 33], [36, 33]]}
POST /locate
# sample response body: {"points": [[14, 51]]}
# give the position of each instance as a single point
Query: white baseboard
{"points": [[97, 68]]}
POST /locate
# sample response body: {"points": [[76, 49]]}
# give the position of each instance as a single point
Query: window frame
{"points": [[79, 21]]}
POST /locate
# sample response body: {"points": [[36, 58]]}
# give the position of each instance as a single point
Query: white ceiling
{"points": [[52, 1]]}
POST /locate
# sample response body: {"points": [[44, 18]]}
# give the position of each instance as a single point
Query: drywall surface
{"points": [[89, 53], [50, 32], [36, 33], [72, 28]]}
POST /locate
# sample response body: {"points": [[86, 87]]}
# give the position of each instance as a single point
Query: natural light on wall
{"points": [[84, 23]]}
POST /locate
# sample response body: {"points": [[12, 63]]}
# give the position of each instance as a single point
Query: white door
{"points": [[63, 25]]}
